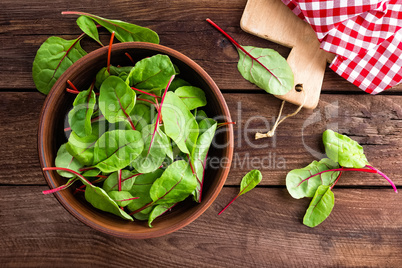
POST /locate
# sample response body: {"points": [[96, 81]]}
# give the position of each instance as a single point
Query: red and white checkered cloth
{"points": [[365, 35]]}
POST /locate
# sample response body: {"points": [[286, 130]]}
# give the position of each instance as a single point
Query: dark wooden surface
{"points": [[262, 228]]}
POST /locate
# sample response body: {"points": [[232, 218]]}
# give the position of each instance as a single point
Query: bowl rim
{"points": [[223, 106]]}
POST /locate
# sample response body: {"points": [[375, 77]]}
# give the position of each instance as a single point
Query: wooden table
{"points": [[262, 228]]}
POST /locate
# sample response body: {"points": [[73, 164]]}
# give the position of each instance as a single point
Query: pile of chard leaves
{"points": [[138, 141], [318, 178]]}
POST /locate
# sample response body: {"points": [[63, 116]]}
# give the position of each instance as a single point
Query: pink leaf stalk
{"points": [[68, 170], [385, 177], [65, 186]]}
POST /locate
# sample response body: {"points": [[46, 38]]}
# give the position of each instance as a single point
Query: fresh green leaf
{"points": [[122, 198], [299, 187], [116, 99], [53, 58], [193, 97], [152, 72], [199, 156], [142, 115], [65, 160], [140, 188], [127, 181], [116, 149], [156, 144], [249, 181], [176, 183], [200, 115], [82, 148], [158, 211], [98, 198], [344, 150], [278, 80], [179, 124], [178, 82], [88, 26], [320, 207], [124, 31], [121, 72], [91, 173], [79, 117]]}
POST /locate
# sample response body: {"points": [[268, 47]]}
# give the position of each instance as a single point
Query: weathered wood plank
{"points": [[181, 28], [375, 122], [262, 229]]}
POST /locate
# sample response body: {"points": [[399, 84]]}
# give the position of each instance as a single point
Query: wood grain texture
{"points": [[31, 23], [262, 229], [296, 144]]}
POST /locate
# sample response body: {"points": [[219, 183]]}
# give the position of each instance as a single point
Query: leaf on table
{"points": [[249, 181], [88, 26], [65, 160], [193, 97], [52, 59], [79, 118], [116, 149], [150, 73], [320, 207], [299, 187], [124, 31], [344, 150], [277, 80], [179, 123]]}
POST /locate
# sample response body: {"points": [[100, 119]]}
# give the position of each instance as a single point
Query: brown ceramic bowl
{"points": [[51, 136]]}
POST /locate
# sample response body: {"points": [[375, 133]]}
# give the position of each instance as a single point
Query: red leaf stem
{"points": [[129, 57], [385, 177], [109, 52], [146, 93], [241, 48]]}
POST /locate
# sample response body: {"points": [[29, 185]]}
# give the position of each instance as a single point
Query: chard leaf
{"points": [[124, 31], [122, 198], [65, 160], [79, 117], [82, 148], [200, 115], [52, 59], [193, 97], [156, 145], [152, 72], [178, 82], [127, 181], [121, 72], [116, 149], [141, 188], [249, 181], [320, 207], [158, 211], [179, 124], [199, 156], [98, 198], [344, 150], [299, 187], [142, 115], [176, 184], [278, 79], [116, 99], [88, 26]]}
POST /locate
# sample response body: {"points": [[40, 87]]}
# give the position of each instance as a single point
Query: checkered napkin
{"points": [[365, 35]]}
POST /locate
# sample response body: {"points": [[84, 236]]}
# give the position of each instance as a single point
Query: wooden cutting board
{"points": [[273, 20]]}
